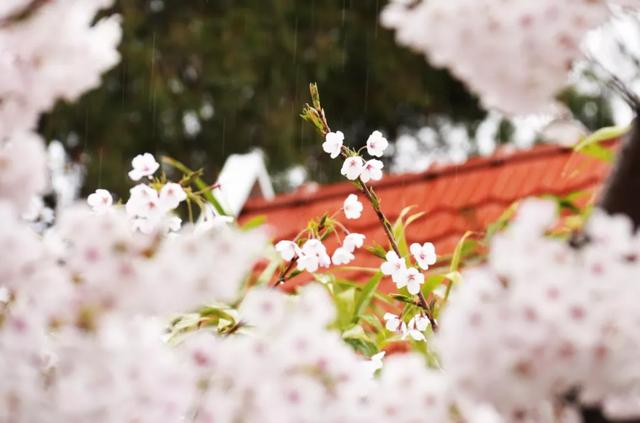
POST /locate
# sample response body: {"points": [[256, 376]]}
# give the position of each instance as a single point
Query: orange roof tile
{"points": [[456, 198]]}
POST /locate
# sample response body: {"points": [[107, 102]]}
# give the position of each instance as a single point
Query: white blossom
{"points": [[353, 241], [371, 171], [352, 207], [396, 267], [414, 280], [171, 195], [333, 143], [100, 201], [287, 249], [143, 165], [352, 167], [425, 254], [342, 256], [376, 144]]}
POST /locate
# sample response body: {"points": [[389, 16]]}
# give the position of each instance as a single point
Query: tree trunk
{"points": [[621, 192]]}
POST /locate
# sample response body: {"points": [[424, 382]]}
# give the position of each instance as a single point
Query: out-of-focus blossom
{"points": [[352, 207], [100, 201]]}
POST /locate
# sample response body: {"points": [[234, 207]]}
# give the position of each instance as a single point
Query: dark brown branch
{"points": [[621, 193]]}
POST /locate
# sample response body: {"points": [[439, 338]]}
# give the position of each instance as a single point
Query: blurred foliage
{"points": [[239, 70], [249, 62]]}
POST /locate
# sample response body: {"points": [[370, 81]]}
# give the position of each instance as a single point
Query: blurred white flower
{"points": [[171, 195], [352, 207], [353, 241], [100, 201], [342, 256], [287, 249]]}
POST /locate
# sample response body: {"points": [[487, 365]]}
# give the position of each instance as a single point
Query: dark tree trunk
{"points": [[621, 193], [593, 415]]}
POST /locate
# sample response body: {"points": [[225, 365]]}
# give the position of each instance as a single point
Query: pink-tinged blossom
{"points": [[352, 167], [143, 165], [333, 143], [313, 255], [396, 267], [371, 171], [100, 201], [425, 254], [414, 280], [39, 69], [171, 195], [23, 169], [352, 207], [376, 144], [516, 55]]}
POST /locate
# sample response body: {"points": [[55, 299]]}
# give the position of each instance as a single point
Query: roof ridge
{"points": [[474, 164], [476, 205]]}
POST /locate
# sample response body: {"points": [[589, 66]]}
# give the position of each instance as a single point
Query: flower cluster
{"points": [[409, 277], [354, 166], [149, 209], [545, 321], [38, 69], [516, 55]]}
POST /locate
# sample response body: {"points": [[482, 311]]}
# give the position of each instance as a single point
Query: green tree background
{"points": [[243, 67]]}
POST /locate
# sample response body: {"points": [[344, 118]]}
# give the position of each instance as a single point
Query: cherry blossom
{"points": [[396, 267], [375, 363], [143, 165], [392, 322], [352, 207], [313, 256], [425, 254], [414, 280], [353, 241], [342, 256], [352, 167], [372, 170], [516, 55], [376, 144], [333, 143], [415, 328], [287, 249], [38, 69], [171, 195], [100, 201], [23, 169]]}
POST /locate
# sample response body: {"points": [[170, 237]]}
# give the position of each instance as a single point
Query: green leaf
{"points": [[431, 283], [345, 305], [254, 222], [591, 145], [366, 294], [359, 340], [457, 253], [378, 251]]}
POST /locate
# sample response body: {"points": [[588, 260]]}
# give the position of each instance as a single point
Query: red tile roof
{"points": [[456, 198]]}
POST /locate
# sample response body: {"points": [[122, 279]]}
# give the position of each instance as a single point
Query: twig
{"points": [[373, 200]]}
